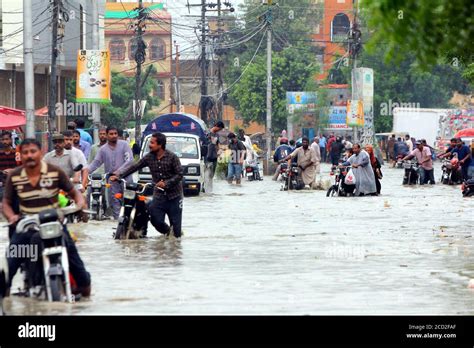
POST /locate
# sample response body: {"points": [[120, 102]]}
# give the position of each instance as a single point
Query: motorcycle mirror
{"points": [[78, 168]]}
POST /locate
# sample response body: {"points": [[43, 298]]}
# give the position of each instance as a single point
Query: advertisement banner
{"points": [[337, 117], [303, 101], [355, 113], [93, 76]]}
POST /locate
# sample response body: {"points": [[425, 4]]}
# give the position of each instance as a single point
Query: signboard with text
{"points": [[93, 76]]}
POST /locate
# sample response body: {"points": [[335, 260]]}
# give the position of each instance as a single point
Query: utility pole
{"points": [[29, 69], [139, 59], [203, 61], [354, 49], [268, 132], [53, 75], [95, 46], [177, 87], [220, 81]]}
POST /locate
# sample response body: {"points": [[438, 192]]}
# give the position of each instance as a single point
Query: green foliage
{"points": [[406, 82], [293, 63], [433, 30], [119, 112]]}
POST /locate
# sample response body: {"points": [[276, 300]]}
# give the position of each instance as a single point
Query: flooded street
{"points": [[258, 250]]}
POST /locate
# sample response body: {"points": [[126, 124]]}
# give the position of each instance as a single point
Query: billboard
{"points": [[302, 101], [355, 113], [338, 117], [93, 76]]}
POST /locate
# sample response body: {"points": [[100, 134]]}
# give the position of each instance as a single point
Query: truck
{"points": [[419, 123], [185, 136]]}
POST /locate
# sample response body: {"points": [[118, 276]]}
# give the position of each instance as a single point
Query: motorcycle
{"points": [[291, 177], [411, 176], [252, 171], [468, 188], [451, 172], [55, 278], [134, 216], [97, 183], [340, 188]]}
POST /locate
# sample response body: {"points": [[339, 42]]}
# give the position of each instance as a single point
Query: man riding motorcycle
{"points": [[281, 152], [36, 185]]}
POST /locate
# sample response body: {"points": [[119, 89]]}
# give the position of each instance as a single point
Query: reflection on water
{"points": [[255, 249]]}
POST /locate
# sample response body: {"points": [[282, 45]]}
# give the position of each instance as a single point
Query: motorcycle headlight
{"points": [[146, 170], [129, 194], [407, 165], [96, 184], [51, 230]]}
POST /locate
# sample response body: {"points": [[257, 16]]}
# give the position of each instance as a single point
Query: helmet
{"points": [[284, 141]]}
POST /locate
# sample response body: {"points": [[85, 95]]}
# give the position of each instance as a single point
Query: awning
{"points": [[11, 118]]}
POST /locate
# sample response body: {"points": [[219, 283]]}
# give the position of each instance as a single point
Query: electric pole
{"points": [[220, 81], [204, 64], [268, 132], [139, 59], [29, 69], [95, 46], [177, 87], [53, 76]]}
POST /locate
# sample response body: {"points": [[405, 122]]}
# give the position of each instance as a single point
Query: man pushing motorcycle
{"points": [[36, 185], [167, 175]]}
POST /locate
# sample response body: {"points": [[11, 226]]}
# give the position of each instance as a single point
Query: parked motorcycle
{"points": [[291, 177], [411, 176], [451, 172], [340, 188], [134, 216], [98, 184], [55, 278], [252, 171], [468, 188]]}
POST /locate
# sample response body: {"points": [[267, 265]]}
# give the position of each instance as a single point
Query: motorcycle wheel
{"points": [[120, 232], [99, 209], [332, 192], [56, 284]]}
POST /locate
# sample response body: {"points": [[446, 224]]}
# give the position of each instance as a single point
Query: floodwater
{"points": [[258, 250]]}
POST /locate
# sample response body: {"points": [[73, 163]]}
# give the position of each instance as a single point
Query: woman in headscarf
{"points": [[375, 166]]}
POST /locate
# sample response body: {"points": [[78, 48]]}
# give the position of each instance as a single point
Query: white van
{"points": [[187, 148]]}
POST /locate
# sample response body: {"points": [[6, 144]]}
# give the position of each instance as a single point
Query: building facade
{"points": [[121, 43], [75, 32], [331, 33]]}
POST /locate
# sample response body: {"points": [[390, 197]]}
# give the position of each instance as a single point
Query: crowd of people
{"points": [[30, 182]]}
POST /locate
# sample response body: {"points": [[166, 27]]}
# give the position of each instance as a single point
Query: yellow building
{"points": [[121, 43]]}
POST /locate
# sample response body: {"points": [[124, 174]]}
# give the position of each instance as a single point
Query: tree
{"points": [[119, 112], [406, 84], [293, 63], [432, 30]]}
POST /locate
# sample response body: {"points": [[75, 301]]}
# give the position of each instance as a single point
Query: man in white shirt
{"points": [[77, 157]]}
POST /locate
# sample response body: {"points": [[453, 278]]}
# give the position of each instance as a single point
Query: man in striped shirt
{"points": [[36, 186]]}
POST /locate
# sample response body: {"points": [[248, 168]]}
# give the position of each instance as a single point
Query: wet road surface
{"points": [[258, 250]]}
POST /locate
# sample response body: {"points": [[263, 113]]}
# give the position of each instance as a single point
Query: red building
{"points": [[332, 33]]}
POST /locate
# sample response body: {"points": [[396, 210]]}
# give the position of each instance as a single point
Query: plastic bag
{"points": [[350, 178]]}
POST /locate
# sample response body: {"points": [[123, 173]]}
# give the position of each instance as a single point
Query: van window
{"points": [[183, 147]]}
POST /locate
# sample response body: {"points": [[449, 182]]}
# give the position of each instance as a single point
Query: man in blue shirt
{"points": [[464, 156], [281, 152], [322, 147], [84, 135]]}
